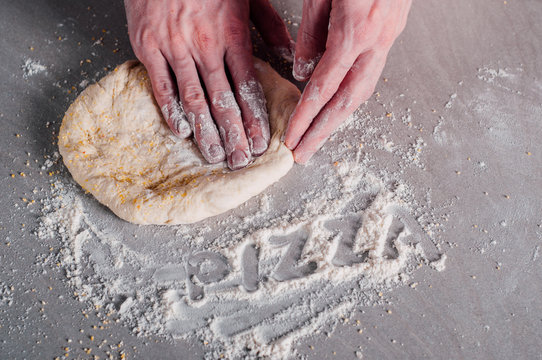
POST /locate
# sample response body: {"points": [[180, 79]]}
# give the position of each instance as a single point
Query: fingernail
{"points": [[302, 157], [286, 53], [183, 128], [303, 69], [215, 154], [258, 145], [291, 143], [176, 118], [287, 140], [292, 49], [238, 159]]}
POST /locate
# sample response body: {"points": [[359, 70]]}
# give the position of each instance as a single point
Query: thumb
{"points": [[311, 38], [272, 28]]}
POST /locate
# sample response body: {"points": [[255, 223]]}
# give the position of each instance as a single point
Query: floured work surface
{"points": [[454, 132]]}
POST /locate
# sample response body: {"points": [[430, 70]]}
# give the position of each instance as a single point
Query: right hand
{"points": [[181, 41], [342, 46]]}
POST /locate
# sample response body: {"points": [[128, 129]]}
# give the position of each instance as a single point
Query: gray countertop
{"points": [[470, 75]]}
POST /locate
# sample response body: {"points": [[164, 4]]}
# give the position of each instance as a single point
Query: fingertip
{"points": [[214, 154], [303, 68], [238, 159], [176, 119], [302, 157], [183, 129], [206, 136], [299, 69], [286, 53], [289, 138], [307, 147], [258, 145], [290, 142]]}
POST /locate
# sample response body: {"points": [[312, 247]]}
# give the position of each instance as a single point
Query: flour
{"points": [[450, 102], [489, 75], [175, 115], [6, 295], [313, 91], [440, 264], [259, 286], [504, 78], [251, 92], [32, 67], [303, 68], [226, 101]]}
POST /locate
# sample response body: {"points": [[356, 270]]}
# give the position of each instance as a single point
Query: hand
{"points": [[181, 41], [342, 47]]}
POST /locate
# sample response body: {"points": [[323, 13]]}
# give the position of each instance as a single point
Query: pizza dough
{"points": [[117, 146]]}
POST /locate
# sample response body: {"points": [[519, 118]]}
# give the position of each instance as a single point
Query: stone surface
{"points": [[487, 302]]}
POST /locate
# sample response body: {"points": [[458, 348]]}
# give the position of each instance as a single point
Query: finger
{"points": [[226, 112], [311, 38], [272, 28], [250, 98], [165, 92], [197, 111], [357, 87], [325, 81]]}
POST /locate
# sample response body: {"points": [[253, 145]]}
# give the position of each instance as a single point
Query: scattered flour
{"points": [[440, 264], [504, 78], [489, 75], [450, 102], [32, 67], [6, 294]]}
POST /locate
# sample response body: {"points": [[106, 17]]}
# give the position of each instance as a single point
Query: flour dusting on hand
{"points": [[175, 115], [226, 101], [32, 67]]}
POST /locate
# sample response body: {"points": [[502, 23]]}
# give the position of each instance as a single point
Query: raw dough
{"points": [[117, 146]]}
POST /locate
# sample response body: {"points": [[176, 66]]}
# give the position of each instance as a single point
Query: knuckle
{"points": [[180, 61], [215, 71], [193, 96], [143, 38], [236, 32], [204, 42], [163, 86], [225, 102], [146, 54], [309, 38], [175, 37]]}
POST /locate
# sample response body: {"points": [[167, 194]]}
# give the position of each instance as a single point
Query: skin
{"points": [[189, 48], [341, 47]]}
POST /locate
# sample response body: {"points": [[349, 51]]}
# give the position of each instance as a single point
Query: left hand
{"points": [[189, 47], [342, 47]]}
